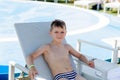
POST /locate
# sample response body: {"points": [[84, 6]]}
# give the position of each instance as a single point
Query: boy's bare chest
{"points": [[57, 53]]}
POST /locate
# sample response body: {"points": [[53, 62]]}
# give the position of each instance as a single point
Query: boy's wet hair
{"points": [[58, 23]]}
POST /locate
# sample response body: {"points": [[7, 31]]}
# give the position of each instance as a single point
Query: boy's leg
{"points": [[79, 77]]}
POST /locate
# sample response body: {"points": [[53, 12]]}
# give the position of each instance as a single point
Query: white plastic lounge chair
{"points": [[112, 4], [87, 3], [33, 35]]}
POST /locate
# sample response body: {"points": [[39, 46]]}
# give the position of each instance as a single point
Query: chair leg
{"points": [[11, 71]]}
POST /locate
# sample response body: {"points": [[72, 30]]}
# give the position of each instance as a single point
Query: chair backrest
{"points": [[31, 36]]}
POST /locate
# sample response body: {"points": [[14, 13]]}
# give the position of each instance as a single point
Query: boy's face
{"points": [[58, 33]]}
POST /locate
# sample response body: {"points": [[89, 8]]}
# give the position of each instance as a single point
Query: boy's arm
{"points": [[30, 61], [38, 52], [80, 56]]}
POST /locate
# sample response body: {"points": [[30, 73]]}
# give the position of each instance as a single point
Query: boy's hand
{"points": [[91, 64], [32, 73]]}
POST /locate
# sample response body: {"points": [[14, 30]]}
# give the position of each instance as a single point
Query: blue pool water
{"points": [[3, 72], [81, 24]]}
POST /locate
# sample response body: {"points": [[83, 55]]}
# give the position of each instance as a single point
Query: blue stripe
{"points": [[69, 75]]}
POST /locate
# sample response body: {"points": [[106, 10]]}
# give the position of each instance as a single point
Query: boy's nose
{"points": [[59, 35]]}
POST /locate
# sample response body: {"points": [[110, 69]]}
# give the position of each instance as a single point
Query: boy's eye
{"points": [[56, 31], [62, 32]]}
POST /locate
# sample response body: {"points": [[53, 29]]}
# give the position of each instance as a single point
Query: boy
{"points": [[56, 54]]}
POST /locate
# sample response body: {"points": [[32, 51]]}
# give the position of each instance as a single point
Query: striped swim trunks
{"points": [[68, 75]]}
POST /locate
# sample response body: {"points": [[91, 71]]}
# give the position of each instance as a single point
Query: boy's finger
{"points": [[32, 77]]}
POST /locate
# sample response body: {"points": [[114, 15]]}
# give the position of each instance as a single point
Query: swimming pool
{"points": [[81, 24], [3, 71]]}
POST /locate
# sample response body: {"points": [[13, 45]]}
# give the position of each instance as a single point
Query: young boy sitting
{"points": [[56, 54]]}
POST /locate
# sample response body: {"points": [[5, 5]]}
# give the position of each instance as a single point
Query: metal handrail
{"points": [[114, 58]]}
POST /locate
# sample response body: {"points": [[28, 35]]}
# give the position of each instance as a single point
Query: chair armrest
{"points": [[88, 72], [102, 70], [18, 66], [12, 66], [108, 69]]}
